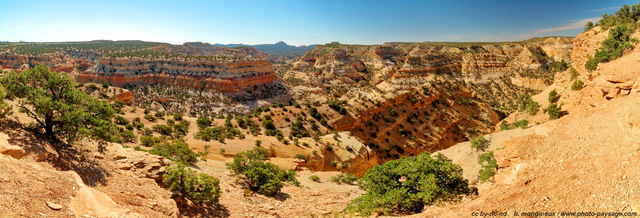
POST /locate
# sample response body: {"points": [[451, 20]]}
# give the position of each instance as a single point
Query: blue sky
{"points": [[297, 22]]}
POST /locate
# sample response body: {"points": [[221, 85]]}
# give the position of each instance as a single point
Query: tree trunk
{"points": [[48, 125]]}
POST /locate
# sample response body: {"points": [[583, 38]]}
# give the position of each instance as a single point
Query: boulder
{"points": [[143, 164], [14, 151], [54, 206]]}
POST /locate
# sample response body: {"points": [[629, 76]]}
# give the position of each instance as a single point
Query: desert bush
{"points": [[260, 176], [489, 166], [573, 73], [203, 122], [300, 157], [177, 151], [314, 178], [163, 129], [553, 111], [526, 103], [120, 120], [553, 96], [577, 85], [150, 117], [149, 141], [160, 114], [217, 133], [520, 123], [184, 183], [128, 136], [479, 143], [613, 47], [408, 184], [5, 108], [181, 128], [344, 178]]}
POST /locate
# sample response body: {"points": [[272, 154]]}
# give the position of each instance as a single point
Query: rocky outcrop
{"points": [[142, 164], [496, 72]]}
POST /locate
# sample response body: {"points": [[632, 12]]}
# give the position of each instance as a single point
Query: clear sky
{"points": [[297, 22]]}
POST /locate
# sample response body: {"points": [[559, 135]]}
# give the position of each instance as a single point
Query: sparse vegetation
{"points": [[619, 39], [218, 133]]}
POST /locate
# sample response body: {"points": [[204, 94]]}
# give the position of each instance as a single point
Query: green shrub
{"points": [[217, 133], [553, 96], [176, 151], [150, 117], [489, 166], [574, 73], [263, 177], [314, 178], [149, 141], [203, 122], [520, 123], [171, 122], [408, 184], [160, 114], [120, 120], [553, 110], [479, 143], [526, 103], [268, 124], [128, 136], [344, 178], [181, 128], [577, 85], [177, 117], [301, 157], [5, 108], [163, 129], [558, 66], [184, 183], [613, 47]]}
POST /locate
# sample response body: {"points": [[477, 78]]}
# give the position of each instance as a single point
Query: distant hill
{"points": [[279, 49]]}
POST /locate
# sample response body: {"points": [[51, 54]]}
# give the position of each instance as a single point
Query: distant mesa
{"points": [[280, 49]]}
